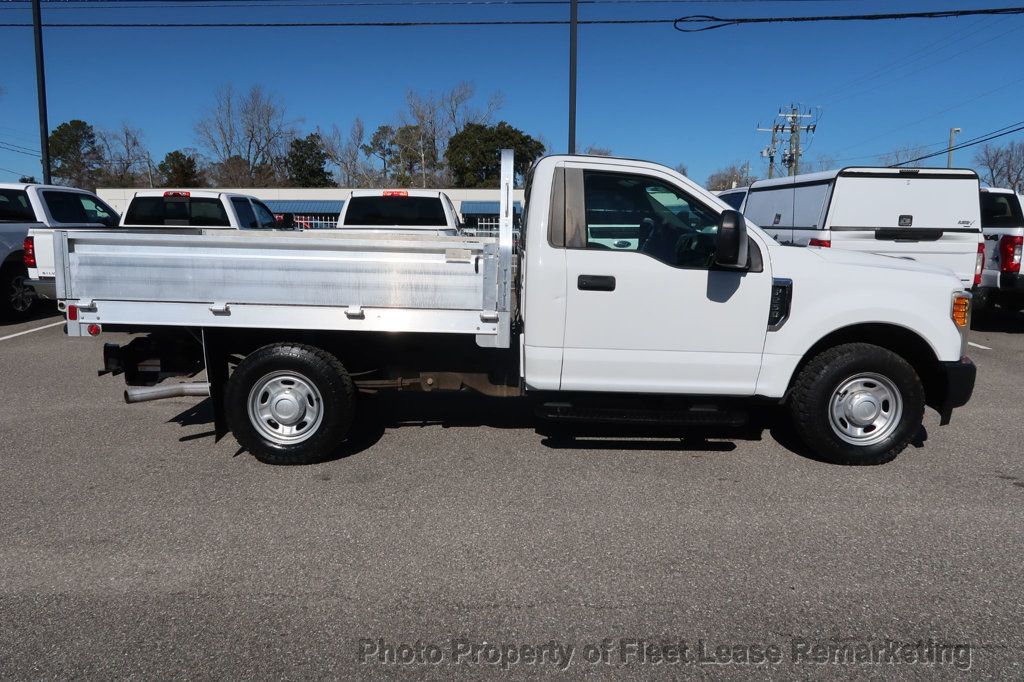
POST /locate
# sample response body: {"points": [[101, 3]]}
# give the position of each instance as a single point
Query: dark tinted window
{"points": [[246, 218], [734, 199], [395, 211], [1000, 210], [72, 207], [645, 215], [176, 211], [264, 216], [14, 206]]}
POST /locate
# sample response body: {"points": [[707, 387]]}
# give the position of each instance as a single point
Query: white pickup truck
{"points": [[153, 210], [930, 215], [410, 211], [702, 317], [26, 209], [1002, 222]]}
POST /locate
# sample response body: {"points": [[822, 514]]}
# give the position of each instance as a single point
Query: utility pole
{"points": [[795, 128], [771, 150], [44, 128], [952, 138], [573, 26]]}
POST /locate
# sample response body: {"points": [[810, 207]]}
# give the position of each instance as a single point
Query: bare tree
{"points": [[682, 169], [594, 150], [127, 161], [903, 155], [346, 152], [736, 175], [252, 127], [1002, 166]]}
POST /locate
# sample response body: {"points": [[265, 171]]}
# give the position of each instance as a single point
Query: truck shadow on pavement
{"points": [[381, 412], [998, 320]]}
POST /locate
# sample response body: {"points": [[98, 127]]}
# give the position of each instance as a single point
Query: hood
{"points": [[874, 260]]}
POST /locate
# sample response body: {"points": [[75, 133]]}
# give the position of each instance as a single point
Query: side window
{"points": [[66, 207], [98, 212], [264, 216], [647, 215], [246, 217]]}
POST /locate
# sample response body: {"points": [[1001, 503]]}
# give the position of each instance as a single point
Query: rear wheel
{"points": [[16, 298], [857, 404], [290, 404]]}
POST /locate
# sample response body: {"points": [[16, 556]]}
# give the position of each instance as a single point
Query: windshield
{"points": [[1000, 210], [390, 211]]}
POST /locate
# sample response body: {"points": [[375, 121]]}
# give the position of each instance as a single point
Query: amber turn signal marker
{"points": [[961, 310]]}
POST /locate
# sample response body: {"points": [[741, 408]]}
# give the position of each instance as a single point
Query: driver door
{"points": [[647, 310]]}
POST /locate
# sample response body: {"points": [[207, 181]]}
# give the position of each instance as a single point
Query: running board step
{"points": [[694, 415]]}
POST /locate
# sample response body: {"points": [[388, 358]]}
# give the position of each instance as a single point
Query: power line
{"points": [[18, 151], [719, 22], [18, 146], [14, 172], [407, 3], [963, 145], [345, 24]]}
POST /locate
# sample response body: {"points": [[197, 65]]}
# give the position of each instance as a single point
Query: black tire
{"points": [[17, 300], [810, 403], [335, 403]]}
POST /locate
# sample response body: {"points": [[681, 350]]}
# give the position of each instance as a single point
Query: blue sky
{"points": [[644, 91]]}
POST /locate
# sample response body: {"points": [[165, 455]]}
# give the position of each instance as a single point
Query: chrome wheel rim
{"points": [[865, 409], [20, 294], [285, 407]]}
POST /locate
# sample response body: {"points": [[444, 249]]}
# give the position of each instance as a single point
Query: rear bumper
{"points": [[959, 378], [44, 288], [1011, 281]]}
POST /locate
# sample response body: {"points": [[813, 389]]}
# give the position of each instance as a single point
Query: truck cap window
{"points": [[14, 206], [177, 211], [645, 215], [396, 210], [1000, 210]]}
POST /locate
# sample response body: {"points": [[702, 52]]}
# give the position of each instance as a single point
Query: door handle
{"points": [[595, 283]]}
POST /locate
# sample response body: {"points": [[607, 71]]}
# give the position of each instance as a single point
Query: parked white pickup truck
{"points": [[1002, 222], [189, 211], [410, 211], [929, 215], [198, 209], [27, 209], [702, 317]]}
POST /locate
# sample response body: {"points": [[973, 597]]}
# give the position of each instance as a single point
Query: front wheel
{"points": [[290, 404], [857, 404]]}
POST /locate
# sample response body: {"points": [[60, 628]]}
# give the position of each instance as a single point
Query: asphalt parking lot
{"points": [[133, 545]]}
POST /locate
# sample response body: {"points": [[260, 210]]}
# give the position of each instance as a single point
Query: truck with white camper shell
{"points": [[930, 215], [1002, 222], [635, 296]]}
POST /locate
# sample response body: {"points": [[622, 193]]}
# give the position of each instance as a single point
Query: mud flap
{"points": [[216, 358]]}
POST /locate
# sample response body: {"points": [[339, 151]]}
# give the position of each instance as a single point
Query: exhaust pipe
{"points": [[141, 394]]}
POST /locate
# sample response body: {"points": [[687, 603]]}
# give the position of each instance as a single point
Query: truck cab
{"points": [[56, 207], [400, 211], [198, 209]]}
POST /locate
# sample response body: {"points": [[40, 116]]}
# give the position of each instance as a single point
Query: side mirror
{"points": [[285, 221], [731, 248]]}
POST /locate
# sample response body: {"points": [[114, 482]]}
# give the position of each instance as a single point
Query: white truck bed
{"points": [[284, 281]]}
